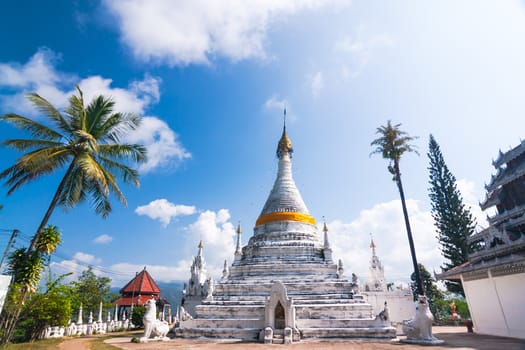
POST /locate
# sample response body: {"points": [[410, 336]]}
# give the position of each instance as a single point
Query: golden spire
{"points": [[200, 245], [372, 244], [239, 230], [285, 144]]}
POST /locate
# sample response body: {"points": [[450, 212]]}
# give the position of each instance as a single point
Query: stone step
{"points": [[298, 299], [225, 333], [340, 323], [378, 333], [223, 323]]}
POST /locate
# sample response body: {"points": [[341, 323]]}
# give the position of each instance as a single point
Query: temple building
{"points": [[377, 292], [494, 276], [137, 292], [283, 286], [198, 285]]}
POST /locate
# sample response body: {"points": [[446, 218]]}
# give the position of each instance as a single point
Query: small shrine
{"points": [[137, 292]]}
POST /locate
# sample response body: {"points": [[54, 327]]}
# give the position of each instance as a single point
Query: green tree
{"points": [[137, 315], [89, 290], [392, 143], [432, 292], [454, 223], [26, 269], [52, 307], [83, 139]]}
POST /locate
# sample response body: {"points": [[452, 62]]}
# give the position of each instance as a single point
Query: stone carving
{"points": [[419, 329], [340, 269], [184, 315], [152, 326], [384, 315]]}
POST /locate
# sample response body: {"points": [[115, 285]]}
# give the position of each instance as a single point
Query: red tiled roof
{"points": [[136, 300], [143, 283]]}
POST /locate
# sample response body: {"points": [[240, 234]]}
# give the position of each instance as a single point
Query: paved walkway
{"points": [[455, 338]]}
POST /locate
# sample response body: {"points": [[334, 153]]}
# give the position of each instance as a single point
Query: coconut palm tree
{"points": [[83, 139], [26, 269], [392, 143]]}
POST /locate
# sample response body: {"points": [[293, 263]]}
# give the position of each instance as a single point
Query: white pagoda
{"points": [[283, 285]]}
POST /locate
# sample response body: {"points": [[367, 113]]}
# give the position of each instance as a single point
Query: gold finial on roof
{"points": [[239, 229], [372, 244], [285, 144], [200, 244]]}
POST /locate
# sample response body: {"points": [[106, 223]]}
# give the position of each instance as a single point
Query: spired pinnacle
{"points": [[285, 144], [284, 202]]}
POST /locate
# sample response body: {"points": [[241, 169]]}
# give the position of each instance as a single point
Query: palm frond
{"points": [[133, 152], [34, 165], [46, 108], [27, 144], [76, 111], [73, 191], [36, 129], [97, 112], [110, 180], [100, 201], [127, 173], [120, 124], [92, 171]]}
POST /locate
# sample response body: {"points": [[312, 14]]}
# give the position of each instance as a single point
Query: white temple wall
{"points": [[400, 305], [496, 305]]}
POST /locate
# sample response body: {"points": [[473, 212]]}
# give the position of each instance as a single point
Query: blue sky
{"points": [[211, 80]]}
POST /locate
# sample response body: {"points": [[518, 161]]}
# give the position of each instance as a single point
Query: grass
{"points": [[52, 344], [46, 344]]}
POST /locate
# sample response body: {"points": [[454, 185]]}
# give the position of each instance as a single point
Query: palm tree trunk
{"points": [[419, 285], [13, 319], [51, 208]]}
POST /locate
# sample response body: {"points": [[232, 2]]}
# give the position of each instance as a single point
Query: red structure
{"points": [[137, 292]]}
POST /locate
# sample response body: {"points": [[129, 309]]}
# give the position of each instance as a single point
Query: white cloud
{"points": [[103, 239], [276, 103], [471, 198], [163, 146], [164, 211], [37, 75], [218, 236], [316, 83], [186, 32], [135, 99], [76, 265], [360, 47], [86, 258], [350, 241]]}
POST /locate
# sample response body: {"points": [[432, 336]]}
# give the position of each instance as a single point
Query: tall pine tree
{"points": [[454, 223]]}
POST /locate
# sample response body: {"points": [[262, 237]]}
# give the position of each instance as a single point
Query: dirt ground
{"points": [[455, 338]]}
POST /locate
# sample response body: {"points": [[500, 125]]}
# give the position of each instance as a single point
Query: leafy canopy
{"points": [[86, 139]]}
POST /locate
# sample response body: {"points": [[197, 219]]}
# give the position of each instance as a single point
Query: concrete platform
{"points": [[455, 338]]}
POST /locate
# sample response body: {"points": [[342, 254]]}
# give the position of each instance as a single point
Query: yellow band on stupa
{"points": [[285, 216]]}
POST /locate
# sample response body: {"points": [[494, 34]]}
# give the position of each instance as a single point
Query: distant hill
{"points": [[171, 291]]}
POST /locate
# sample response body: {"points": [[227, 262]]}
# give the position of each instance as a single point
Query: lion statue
{"points": [[158, 328], [420, 328]]}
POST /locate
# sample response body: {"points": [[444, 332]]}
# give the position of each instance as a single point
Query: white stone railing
{"points": [[74, 329]]}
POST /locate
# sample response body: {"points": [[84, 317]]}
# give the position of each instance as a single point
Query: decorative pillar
{"points": [[225, 271], [238, 249], [99, 319], [327, 250], [79, 319]]}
